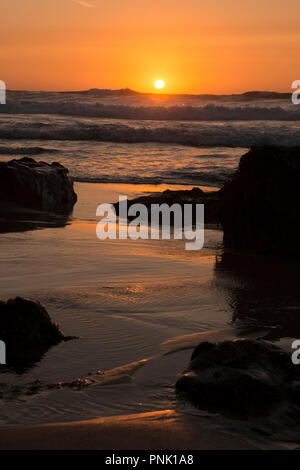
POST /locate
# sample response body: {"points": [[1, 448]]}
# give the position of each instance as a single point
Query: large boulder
{"points": [[259, 207], [239, 378], [35, 185], [27, 331]]}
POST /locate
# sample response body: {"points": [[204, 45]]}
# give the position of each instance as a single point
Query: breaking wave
{"points": [[207, 112], [204, 134]]}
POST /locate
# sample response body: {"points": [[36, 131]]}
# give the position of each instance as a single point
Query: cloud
{"points": [[84, 4]]}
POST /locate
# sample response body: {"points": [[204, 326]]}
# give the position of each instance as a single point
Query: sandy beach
{"points": [[146, 431]]}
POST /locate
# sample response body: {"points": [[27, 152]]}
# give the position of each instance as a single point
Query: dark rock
{"points": [[259, 207], [239, 378], [181, 197], [40, 186], [27, 330]]}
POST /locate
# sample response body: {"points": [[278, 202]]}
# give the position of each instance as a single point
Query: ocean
{"points": [[127, 137]]}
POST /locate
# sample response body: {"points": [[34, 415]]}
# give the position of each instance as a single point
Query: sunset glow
{"points": [[199, 46]]}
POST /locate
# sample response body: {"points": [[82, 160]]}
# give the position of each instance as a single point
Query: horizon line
{"points": [[112, 90]]}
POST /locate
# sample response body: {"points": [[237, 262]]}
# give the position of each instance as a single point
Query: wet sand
{"points": [[162, 430], [131, 300]]}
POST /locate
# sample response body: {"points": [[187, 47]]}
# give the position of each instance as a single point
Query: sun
{"points": [[159, 83]]}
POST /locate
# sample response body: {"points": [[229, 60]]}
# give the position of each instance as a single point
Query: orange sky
{"points": [[195, 46]]}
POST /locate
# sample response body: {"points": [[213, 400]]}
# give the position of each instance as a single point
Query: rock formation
{"points": [[27, 330], [239, 378], [28, 184], [259, 207], [181, 197]]}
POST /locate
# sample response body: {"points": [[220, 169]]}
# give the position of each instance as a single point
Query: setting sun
{"points": [[159, 83]]}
